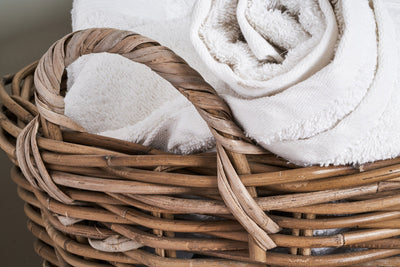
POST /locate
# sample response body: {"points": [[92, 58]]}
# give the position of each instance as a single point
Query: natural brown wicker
{"points": [[253, 200]]}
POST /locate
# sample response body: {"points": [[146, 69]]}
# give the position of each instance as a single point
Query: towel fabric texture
{"points": [[113, 96], [314, 81]]}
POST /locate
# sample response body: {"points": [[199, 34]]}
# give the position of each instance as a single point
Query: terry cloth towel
{"points": [[318, 80], [312, 81], [113, 96]]}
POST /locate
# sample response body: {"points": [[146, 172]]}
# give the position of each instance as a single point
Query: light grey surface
{"points": [[27, 29]]}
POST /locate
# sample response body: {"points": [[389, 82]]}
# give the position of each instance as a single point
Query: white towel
{"points": [[113, 96], [232, 37], [340, 112], [313, 81]]}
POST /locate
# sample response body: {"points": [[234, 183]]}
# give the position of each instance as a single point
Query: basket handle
{"points": [[143, 50], [231, 141]]}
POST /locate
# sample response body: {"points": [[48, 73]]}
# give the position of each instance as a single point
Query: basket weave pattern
{"points": [[229, 208]]}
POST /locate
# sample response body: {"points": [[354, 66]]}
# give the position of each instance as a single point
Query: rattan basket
{"points": [[241, 206]]}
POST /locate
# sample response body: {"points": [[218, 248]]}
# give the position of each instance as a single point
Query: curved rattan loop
{"points": [[242, 205], [36, 172], [142, 50], [165, 63]]}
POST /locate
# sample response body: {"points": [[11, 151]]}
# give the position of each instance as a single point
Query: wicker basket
{"points": [[241, 206]]}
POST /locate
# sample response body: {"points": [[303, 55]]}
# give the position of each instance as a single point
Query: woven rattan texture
{"points": [[241, 206]]}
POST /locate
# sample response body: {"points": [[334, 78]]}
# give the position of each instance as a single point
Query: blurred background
{"points": [[27, 29]]}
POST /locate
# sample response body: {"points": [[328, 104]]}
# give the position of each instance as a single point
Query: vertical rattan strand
{"points": [[241, 165], [45, 129], [295, 232], [159, 251], [169, 253], [307, 232], [53, 131], [163, 252]]}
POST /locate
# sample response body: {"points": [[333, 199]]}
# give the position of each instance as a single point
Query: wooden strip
{"points": [[185, 244]]}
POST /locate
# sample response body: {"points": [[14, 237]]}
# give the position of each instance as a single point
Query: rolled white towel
{"points": [[338, 76], [263, 47]]}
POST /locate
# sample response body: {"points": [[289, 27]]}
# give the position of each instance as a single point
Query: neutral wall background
{"points": [[27, 29]]}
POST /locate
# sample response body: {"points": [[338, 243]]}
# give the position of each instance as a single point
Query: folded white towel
{"points": [[115, 97], [313, 81]]}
